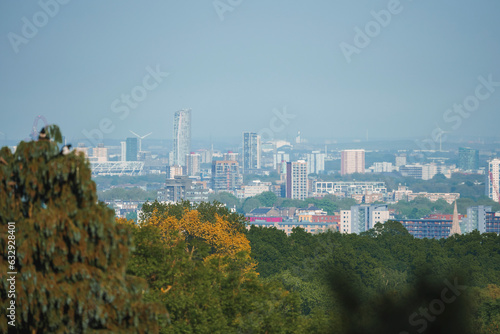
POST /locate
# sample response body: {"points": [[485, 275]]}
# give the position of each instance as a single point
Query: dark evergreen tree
{"points": [[71, 256]]}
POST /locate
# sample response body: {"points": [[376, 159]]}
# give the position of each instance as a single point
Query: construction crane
{"points": [[495, 186]]}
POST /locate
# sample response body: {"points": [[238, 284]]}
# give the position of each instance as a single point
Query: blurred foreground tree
{"points": [[71, 256]]}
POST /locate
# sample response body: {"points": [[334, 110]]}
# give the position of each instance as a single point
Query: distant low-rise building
{"points": [[226, 176], [80, 149], [448, 197], [427, 228], [174, 170], [99, 154], [493, 222], [482, 219], [401, 194], [310, 210], [123, 208], [182, 188], [362, 218], [425, 172], [349, 188], [264, 212], [368, 198], [400, 160], [288, 225], [382, 167], [255, 188], [405, 194], [333, 219]]}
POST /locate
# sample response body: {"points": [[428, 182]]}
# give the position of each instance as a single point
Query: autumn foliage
{"points": [[197, 262], [219, 235]]}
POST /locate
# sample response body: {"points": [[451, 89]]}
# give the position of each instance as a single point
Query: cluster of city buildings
{"points": [[193, 175], [361, 218]]}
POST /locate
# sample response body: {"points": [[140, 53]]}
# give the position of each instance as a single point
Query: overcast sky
{"points": [[329, 66]]}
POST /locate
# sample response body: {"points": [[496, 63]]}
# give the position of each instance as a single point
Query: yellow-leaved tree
{"points": [[196, 259], [224, 240]]}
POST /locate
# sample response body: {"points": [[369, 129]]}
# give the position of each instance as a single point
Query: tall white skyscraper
{"points": [[182, 136], [493, 179], [352, 161], [251, 151]]}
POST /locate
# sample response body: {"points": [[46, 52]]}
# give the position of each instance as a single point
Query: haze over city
{"points": [[232, 166], [234, 64]]}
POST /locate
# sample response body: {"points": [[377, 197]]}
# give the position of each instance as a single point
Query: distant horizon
{"points": [[333, 69], [234, 143]]}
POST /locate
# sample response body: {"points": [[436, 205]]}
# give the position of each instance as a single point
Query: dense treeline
{"points": [[131, 194], [329, 203], [380, 281], [468, 185], [386, 269], [415, 209], [421, 207], [106, 182]]}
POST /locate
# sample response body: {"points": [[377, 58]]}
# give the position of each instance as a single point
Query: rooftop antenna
{"points": [[140, 139]]}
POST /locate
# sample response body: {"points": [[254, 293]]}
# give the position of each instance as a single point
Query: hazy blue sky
{"points": [[263, 55]]}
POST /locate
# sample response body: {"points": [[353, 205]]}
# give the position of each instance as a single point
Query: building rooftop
{"points": [[260, 211]]}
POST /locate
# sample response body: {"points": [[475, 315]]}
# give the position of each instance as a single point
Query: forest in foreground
{"points": [[197, 269]]}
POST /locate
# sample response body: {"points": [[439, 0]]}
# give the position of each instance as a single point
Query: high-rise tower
{"points": [[352, 161], [493, 179], [251, 151], [296, 179], [131, 149], [182, 136], [468, 159], [193, 164], [315, 162]]}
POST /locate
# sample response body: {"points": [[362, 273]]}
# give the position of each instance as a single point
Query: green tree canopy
{"points": [[267, 198]]}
